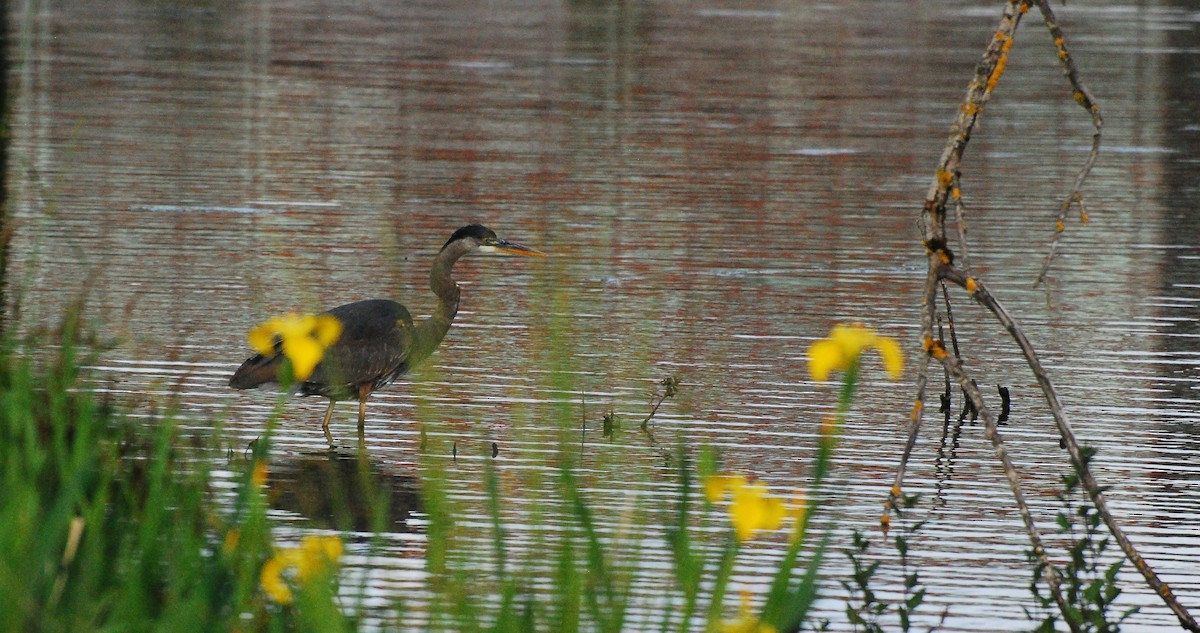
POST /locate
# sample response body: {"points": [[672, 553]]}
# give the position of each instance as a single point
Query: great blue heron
{"points": [[379, 340]]}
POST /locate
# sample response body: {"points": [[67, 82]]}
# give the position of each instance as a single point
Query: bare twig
{"points": [[981, 295], [933, 216], [943, 189], [960, 223], [987, 75], [1084, 98], [914, 420], [954, 365], [670, 386]]}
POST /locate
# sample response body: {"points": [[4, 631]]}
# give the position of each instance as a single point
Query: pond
{"points": [[717, 184]]}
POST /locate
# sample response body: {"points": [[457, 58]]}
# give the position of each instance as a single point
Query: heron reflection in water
{"points": [[343, 491], [379, 340]]}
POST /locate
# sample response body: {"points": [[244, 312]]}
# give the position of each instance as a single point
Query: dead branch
{"points": [[954, 366], [987, 75], [984, 298], [933, 216], [1084, 98], [960, 223], [944, 188]]}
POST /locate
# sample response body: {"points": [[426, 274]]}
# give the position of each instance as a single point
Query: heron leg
{"points": [[364, 390], [325, 424], [328, 415]]}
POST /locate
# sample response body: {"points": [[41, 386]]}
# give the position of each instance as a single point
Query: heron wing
{"points": [[376, 339]]}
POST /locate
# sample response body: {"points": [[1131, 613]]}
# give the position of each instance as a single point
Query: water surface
{"points": [[718, 184]]}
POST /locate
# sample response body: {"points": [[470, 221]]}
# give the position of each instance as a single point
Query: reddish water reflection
{"points": [[719, 185]]}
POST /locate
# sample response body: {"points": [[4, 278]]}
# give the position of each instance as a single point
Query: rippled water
{"points": [[718, 185]]}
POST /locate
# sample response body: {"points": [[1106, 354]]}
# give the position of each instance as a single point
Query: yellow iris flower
{"points": [[316, 555], [305, 338], [715, 486], [271, 579], [750, 509], [843, 347]]}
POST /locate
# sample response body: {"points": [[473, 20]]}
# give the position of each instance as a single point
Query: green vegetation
{"points": [[110, 523], [1090, 587], [865, 608]]}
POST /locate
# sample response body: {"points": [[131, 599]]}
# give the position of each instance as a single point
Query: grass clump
{"points": [[106, 524]]}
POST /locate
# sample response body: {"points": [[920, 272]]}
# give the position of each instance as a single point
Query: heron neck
{"points": [[433, 329]]}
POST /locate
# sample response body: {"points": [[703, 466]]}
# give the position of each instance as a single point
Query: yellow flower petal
{"points": [[844, 346], [752, 510], [327, 330], [853, 338], [318, 553], [262, 338], [304, 352], [893, 358], [271, 579], [825, 356], [305, 338], [293, 324], [315, 556], [716, 486]]}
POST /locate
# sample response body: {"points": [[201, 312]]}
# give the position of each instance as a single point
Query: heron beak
{"points": [[509, 248]]}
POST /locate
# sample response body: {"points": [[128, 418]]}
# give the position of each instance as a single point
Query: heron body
{"points": [[379, 340]]}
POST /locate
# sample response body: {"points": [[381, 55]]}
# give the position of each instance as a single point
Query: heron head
{"points": [[485, 239]]}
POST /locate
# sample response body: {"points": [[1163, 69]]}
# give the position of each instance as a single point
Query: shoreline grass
{"points": [[108, 523]]}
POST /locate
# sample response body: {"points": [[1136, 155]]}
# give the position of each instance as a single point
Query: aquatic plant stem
{"points": [[721, 580], [670, 388], [689, 563], [784, 606]]}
